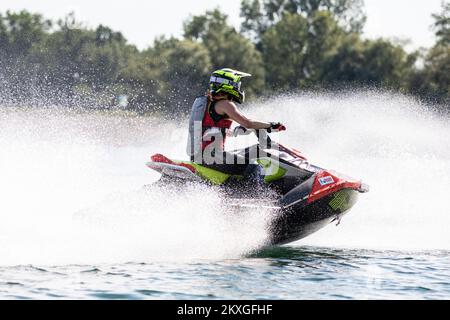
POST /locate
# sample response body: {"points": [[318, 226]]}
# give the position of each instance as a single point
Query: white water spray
{"points": [[70, 183], [393, 143], [71, 193]]}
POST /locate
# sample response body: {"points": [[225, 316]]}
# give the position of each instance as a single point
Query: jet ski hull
{"points": [[303, 219], [306, 201]]}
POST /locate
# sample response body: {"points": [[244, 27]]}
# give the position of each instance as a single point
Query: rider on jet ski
{"points": [[211, 118]]}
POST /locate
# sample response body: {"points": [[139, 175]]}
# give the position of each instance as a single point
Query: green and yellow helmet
{"points": [[228, 81]]}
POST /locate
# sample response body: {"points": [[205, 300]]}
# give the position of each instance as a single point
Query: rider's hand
{"points": [[276, 126]]}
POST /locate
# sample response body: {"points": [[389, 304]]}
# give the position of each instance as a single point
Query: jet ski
{"points": [[307, 197]]}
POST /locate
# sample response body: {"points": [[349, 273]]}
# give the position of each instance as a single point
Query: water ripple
{"points": [[276, 273]]}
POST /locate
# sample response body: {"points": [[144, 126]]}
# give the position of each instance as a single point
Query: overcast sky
{"points": [[142, 20]]}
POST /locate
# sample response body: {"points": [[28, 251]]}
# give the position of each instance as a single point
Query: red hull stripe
{"points": [[163, 159], [327, 183]]}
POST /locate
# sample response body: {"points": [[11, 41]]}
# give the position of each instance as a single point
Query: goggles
{"points": [[237, 85]]}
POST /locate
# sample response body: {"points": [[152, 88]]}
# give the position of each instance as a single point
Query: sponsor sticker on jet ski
{"points": [[326, 180]]}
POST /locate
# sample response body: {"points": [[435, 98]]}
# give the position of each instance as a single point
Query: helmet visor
{"points": [[219, 80]]}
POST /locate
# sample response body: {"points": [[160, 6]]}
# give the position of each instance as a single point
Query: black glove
{"points": [[276, 126]]}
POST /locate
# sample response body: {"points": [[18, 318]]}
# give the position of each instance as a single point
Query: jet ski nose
{"points": [[364, 188]]}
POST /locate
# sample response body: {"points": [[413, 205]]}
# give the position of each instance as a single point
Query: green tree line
{"points": [[288, 46]]}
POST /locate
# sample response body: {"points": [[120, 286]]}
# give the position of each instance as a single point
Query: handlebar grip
{"points": [[276, 127]]}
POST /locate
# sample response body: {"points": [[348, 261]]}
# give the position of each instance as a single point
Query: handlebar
{"points": [[261, 134], [242, 131], [264, 134]]}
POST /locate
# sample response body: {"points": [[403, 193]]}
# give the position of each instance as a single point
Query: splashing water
{"points": [[393, 143], [71, 182], [71, 191]]}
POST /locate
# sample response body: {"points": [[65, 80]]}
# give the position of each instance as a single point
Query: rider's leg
{"points": [[241, 165], [253, 174]]}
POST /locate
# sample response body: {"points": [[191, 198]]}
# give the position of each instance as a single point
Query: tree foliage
{"points": [[182, 70], [226, 47], [302, 45], [433, 80], [259, 15], [286, 45], [442, 24], [19, 32], [370, 62]]}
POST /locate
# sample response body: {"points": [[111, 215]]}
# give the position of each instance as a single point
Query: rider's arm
{"points": [[230, 109]]}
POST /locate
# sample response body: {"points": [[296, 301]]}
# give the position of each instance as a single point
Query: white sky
{"points": [[142, 20]]}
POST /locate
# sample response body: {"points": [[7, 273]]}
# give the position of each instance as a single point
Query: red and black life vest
{"points": [[212, 119]]}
